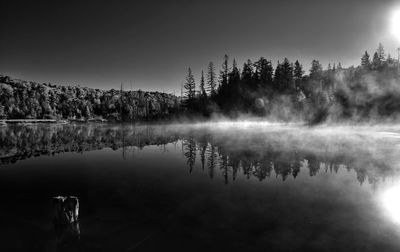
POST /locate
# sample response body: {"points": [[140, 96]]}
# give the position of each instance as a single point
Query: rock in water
{"points": [[66, 210]]}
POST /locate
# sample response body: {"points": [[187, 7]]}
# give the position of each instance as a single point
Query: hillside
{"points": [[22, 99]]}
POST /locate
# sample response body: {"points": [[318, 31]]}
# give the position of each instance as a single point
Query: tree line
{"points": [[31, 100], [369, 91]]}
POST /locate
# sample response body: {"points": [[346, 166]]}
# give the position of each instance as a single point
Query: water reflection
{"points": [[390, 202], [21, 141], [273, 188], [257, 153]]}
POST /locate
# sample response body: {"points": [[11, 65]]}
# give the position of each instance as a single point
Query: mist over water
{"points": [[219, 185]]}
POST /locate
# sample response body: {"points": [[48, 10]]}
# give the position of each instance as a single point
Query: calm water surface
{"points": [[216, 187]]}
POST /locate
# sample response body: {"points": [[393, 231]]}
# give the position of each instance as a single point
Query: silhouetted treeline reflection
{"points": [[261, 158], [21, 142], [262, 153]]}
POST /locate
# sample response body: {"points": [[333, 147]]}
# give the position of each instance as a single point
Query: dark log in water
{"points": [[66, 210], [66, 222]]}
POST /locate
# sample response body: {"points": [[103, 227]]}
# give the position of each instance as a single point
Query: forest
{"points": [[365, 93], [31, 100]]}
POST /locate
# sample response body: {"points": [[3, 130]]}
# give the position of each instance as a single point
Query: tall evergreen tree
{"points": [[234, 84], [265, 72], [277, 76], [381, 52], [190, 90], [298, 74], [284, 76], [247, 72], [287, 76], [224, 72], [202, 87], [223, 88], [316, 77], [316, 69], [376, 61], [211, 80], [234, 75], [365, 61]]}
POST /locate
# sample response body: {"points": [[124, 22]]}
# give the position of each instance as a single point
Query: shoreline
{"points": [[23, 121]]}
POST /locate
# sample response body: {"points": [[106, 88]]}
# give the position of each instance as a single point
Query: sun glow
{"points": [[390, 200], [395, 24]]}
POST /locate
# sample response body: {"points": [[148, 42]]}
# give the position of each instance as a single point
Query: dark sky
{"points": [[153, 42]]}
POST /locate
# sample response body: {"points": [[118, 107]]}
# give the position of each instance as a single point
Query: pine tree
{"points": [[381, 52], [223, 89], [224, 72], [234, 75], [316, 69], [376, 61], [265, 71], [190, 92], [298, 74], [233, 91], [365, 61], [284, 76], [202, 88], [211, 80], [287, 75], [247, 72], [277, 76]]}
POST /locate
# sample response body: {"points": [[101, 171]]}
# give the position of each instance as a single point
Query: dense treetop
{"points": [[370, 91]]}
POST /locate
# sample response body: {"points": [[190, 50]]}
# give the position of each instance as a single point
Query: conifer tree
{"points": [[376, 61], [287, 76], [202, 87], [224, 72], [381, 52], [190, 92], [211, 80], [247, 72], [265, 71], [365, 61], [298, 74], [234, 83], [316, 69], [234, 75]]}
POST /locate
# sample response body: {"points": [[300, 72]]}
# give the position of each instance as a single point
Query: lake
{"points": [[244, 186]]}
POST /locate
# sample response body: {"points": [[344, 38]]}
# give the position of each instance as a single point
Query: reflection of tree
{"points": [[361, 176], [296, 165], [263, 169], [203, 148], [22, 141], [212, 159], [283, 169], [190, 152], [250, 157], [267, 157], [224, 167], [313, 164], [247, 168]]}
